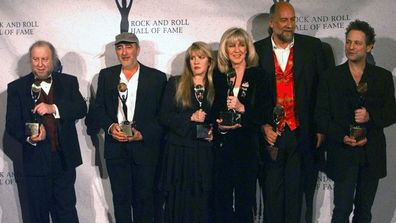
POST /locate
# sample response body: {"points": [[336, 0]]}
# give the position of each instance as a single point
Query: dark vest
{"points": [[49, 120]]}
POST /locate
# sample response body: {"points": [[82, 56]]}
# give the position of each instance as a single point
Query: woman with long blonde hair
{"points": [[236, 159], [186, 177]]}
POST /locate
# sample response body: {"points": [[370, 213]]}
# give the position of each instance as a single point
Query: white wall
{"points": [[83, 31]]}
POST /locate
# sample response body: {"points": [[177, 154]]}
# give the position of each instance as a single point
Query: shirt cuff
{"points": [[30, 141], [108, 130], [56, 114]]}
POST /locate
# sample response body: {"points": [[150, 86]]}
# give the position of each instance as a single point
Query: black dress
{"points": [[186, 177]]}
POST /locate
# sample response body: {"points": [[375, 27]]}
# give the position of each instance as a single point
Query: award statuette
{"points": [[358, 131], [126, 126], [33, 128], [230, 117], [278, 116], [202, 129]]}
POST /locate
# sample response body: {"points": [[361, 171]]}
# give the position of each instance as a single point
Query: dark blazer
{"points": [[308, 63], [149, 92], [252, 77], [71, 105], [335, 112], [245, 138]]}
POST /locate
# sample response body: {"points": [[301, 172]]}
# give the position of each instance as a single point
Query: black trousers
{"points": [[52, 194], [354, 189], [132, 186], [282, 183], [310, 171], [235, 166]]}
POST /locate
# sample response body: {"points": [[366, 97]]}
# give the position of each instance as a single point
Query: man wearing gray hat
{"points": [[126, 107]]}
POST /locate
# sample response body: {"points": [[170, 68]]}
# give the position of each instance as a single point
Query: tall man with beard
{"points": [[50, 156], [295, 62]]}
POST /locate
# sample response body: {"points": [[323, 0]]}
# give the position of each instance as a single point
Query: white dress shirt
{"points": [[282, 54], [131, 98]]}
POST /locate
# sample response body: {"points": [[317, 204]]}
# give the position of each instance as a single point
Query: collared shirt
{"points": [[131, 97], [282, 55]]}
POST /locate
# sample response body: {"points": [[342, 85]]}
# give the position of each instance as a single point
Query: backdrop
{"points": [[83, 32]]}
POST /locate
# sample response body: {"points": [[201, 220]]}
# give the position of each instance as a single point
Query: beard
{"points": [[285, 38]]}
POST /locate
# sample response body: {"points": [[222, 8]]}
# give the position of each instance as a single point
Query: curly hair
{"points": [[365, 28]]}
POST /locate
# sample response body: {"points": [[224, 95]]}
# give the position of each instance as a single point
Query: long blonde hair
{"points": [[231, 35], [185, 83]]}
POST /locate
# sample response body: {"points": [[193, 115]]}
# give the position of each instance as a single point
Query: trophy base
{"points": [[202, 131], [126, 128], [357, 132], [273, 151], [32, 128], [230, 118]]}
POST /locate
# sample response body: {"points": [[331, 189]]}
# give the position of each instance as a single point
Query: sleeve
{"points": [[319, 69], [262, 113], [151, 129], [177, 121], [323, 111], [99, 108], [385, 115], [74, 106], [14, 115], [256, 110]]}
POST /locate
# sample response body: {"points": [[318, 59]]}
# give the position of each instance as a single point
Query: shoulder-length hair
{"points": [[185, 83], [232, 35]]}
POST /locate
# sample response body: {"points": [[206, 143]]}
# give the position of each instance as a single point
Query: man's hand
{"points": [[320, 138], [44, 108], [137, 135], [117, 134], [40, 136], [350, 141], [269, 134], [361, 115], [210, 135]]}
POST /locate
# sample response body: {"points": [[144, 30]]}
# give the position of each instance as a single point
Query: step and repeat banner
{"points": [[83, 33]]}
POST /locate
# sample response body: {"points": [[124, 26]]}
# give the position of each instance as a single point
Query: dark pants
{"points": [[235, 168], [310, 171], [132, 185], [282, 194], [354, 189], [52, 194]]}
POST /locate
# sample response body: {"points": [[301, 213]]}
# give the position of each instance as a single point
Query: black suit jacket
{"points": [[252, 77], [336, 103], [308, 63], [71, 105], [151, 84], [243, 138]]}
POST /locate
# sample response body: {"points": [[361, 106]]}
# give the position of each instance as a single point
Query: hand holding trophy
{"points": [[230, 117], [357, 130], [126, 126], [33, 128], [202, 129], [278, 116]]}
